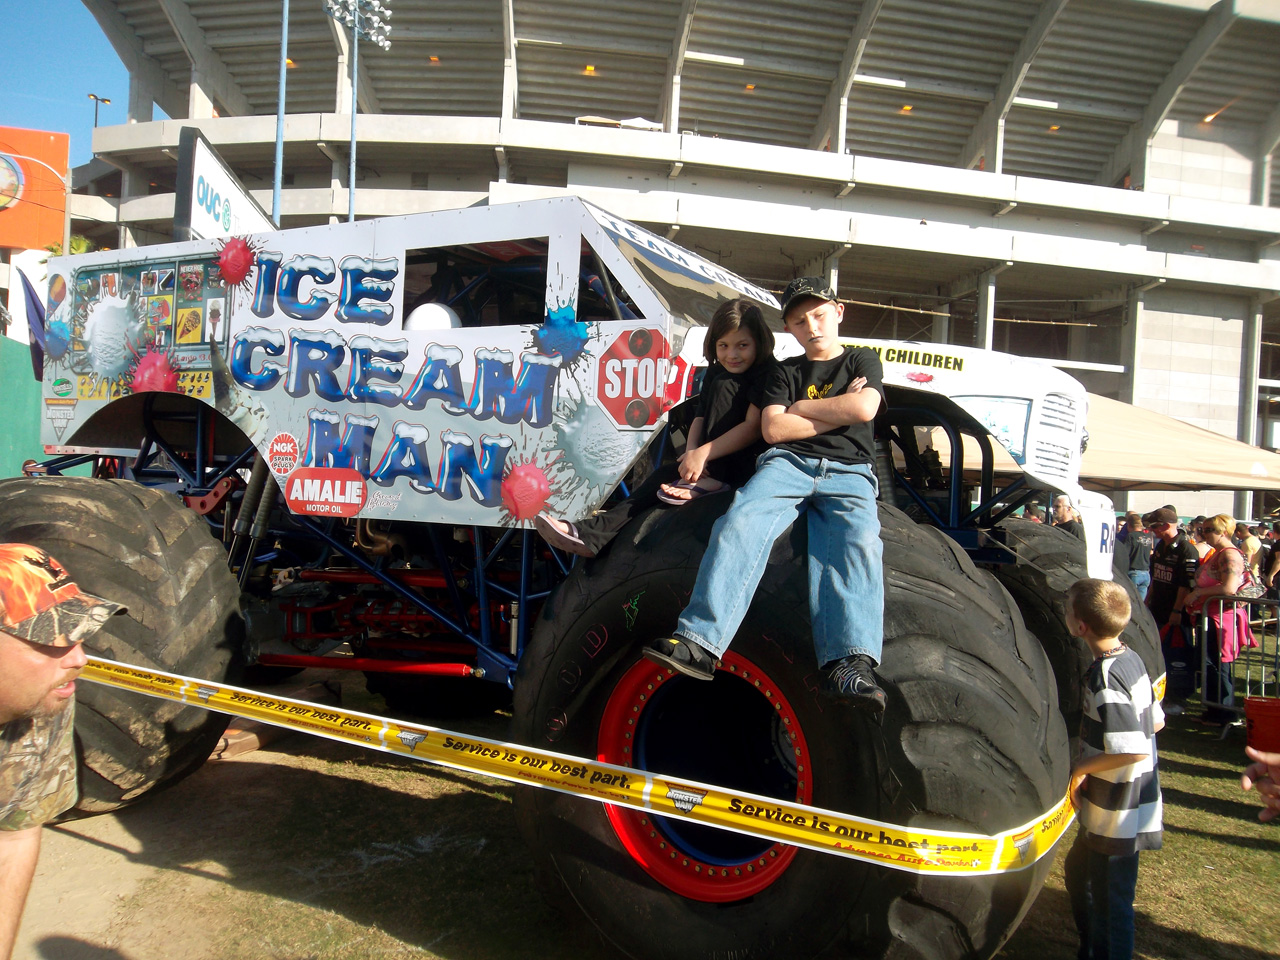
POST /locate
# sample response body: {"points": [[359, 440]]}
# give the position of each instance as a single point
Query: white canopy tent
{"points": [[1131, 448]]}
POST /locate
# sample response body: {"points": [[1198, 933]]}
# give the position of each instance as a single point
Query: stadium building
{"points": [[1092, 182]]}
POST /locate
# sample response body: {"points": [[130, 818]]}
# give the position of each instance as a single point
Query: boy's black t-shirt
{"points": [[722, 405], [799, 378]]}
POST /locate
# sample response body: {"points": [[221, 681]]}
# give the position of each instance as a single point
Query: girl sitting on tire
{"points": [[739, 352]]}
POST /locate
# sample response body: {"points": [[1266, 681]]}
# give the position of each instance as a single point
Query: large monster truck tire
{"points": [[1049, 561], [143, 548], [972, 741], [437, 698]]}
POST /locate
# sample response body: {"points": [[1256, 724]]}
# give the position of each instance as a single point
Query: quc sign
{"points": [[213, 203]]}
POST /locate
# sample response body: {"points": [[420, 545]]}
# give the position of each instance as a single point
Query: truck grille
{"points": [[1059, 412], [1052, 459]]}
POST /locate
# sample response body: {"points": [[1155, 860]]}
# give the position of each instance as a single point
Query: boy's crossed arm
{"points": [[809, 418]]}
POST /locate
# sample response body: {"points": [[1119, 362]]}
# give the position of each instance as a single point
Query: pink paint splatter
{"points": [[155, 371], [525, 491], [235, 261], [920, 377]]}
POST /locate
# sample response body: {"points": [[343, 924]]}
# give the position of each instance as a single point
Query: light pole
{"points": [[368, 21], [284, 64], [96, 101], [66, 203]]}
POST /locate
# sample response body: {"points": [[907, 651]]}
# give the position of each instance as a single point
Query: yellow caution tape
{"points": [[901, 848]]}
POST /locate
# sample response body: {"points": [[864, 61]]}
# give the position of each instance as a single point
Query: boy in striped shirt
{"points": [[1115, 785]]}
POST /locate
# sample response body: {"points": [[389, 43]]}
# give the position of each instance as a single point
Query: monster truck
{"points": [[327, 445]]}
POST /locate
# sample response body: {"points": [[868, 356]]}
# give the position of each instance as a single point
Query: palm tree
{"points": [[79, 245]]}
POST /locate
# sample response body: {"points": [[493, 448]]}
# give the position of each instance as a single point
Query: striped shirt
{"points": [[1121, 810]]}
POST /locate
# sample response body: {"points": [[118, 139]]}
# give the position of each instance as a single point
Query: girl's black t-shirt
{"points": [[722, 405], [799, 378]]}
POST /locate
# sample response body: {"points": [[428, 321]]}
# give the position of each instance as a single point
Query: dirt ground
{"points": [[306, 848]]}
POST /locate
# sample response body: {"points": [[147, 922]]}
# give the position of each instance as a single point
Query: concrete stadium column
{"points": [[199, 104], [342, 90], [942, 325], [985, 334], [1252, 336], [133, 183], [1130, 338], [141, 100], [1187, 365], [672, 119], [1262, 181]]}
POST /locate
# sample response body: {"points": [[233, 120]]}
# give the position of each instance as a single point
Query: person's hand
{"points": [[693, 463], [857, 385], [1263, 776], [1076, 790]]}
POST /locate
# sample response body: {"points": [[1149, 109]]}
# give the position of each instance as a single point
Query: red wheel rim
{"points": [[644, 835]]}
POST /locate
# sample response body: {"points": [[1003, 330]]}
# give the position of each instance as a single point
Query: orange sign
{"points": [[32, 199]]}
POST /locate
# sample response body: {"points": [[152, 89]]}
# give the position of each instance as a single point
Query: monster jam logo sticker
{"points": [[685, 800], [410, 739], [60, 411], [1023, 843]]}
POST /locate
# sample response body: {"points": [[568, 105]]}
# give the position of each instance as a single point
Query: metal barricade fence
{"points": [[1255, 670]]}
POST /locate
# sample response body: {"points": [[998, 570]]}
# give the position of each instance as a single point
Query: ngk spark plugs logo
{"points": [[325, 491], [282, 454], [632, 380]]}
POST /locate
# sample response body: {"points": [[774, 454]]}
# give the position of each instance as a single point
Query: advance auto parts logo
{"points": [[325, 491]]}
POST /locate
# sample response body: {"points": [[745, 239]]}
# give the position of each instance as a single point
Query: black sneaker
{"points": [[683, 655], [851, 679]]}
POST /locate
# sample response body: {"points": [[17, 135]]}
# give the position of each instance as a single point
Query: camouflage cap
{"points": [[40, 602], [806, 287]]}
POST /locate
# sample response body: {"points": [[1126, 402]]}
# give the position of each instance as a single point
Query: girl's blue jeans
{"points": [[846, 583]]}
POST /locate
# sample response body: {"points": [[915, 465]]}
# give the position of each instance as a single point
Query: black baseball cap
{"points": [[806, 287], [1163, 515]]}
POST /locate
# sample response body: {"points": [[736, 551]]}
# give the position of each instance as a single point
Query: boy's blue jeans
{"points": [[846, 586], [1101, 889]]}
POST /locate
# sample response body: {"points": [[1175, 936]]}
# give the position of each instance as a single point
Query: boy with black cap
{"points": [[817, 413], [43, 618]]}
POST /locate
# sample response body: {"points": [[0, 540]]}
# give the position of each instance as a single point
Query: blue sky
{"points": [[55, 55]]}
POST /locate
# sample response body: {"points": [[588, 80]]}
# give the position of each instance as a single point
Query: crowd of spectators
{"points": [[1184, 570]]}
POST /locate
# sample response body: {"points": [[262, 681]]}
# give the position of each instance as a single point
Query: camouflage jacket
{"points": [[37, 770]]}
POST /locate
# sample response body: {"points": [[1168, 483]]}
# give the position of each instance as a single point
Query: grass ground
{"points": [[1210, 893]]}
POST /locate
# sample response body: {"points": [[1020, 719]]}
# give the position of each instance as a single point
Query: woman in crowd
{"points": [[1223, 571]]}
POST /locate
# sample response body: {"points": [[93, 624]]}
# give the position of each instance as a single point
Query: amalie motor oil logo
{"points": [[325, 491]]}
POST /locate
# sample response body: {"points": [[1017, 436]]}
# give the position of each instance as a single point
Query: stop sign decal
{"points": [[632, 379]]}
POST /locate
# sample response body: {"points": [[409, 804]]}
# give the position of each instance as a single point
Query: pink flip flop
{"points": [[569, 542]]}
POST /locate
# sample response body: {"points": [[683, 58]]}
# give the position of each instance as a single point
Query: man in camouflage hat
{"points": [[43, 618]]}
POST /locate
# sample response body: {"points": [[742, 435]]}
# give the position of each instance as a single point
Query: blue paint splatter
{"points": [[562, 335], [57, 338]]}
